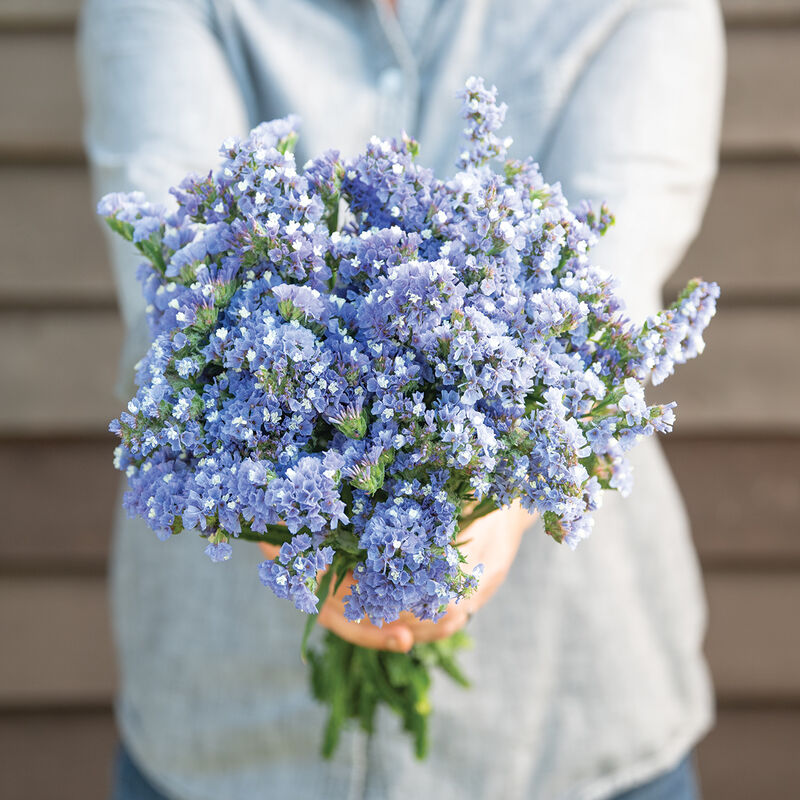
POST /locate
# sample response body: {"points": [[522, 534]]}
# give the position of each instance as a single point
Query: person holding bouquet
{"points": [[588, 674]]}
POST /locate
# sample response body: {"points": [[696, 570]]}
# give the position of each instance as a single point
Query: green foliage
{"points": [[288, 143], [354, 681]]}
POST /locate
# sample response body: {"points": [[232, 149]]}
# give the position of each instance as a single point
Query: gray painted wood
{"points": [[64, 534], [53, 249], [744, 382], [760, 11], [59, 12], [762, 112], [59, 376], [56, 756], [750, 753], [746, 243], [753, 639], [741, 495], [59, 372], [62, 651], [38, 13], [43, 113]]}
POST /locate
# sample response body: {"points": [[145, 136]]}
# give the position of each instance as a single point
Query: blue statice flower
{"points": [[676, 335], [219, 551], [346, 355], [411, 563], [293, 574], [485, 118]]}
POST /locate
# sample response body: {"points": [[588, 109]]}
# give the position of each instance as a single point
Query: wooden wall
{"points": [[736, 449]]}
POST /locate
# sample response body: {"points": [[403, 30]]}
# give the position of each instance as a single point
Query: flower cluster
{"points": [[347, 356]]}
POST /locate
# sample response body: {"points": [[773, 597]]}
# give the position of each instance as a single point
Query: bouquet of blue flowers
{"points": [[356, 360]]}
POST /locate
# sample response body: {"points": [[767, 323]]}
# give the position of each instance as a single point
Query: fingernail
{"points": [[392, 643]]}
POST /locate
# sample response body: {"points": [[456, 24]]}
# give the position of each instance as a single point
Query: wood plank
{"points": [[762, 114], [747, 240], [59, 377], [48, 13], [56, 755], [741, 495], [743, 383], [69, 263], [62, 651], [38, 13], [61, 534], [751, 753], [745, 12], [43, 113], [753, 642]]}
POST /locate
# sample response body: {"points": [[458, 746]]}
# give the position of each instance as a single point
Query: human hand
{"points": [[395, 635], [492, 540]]}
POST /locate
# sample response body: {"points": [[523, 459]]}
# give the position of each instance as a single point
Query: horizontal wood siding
{"points": [[761, 108], [38, 13], [56, 755], [760, 12], [45, 14], [67, 266], [74, 351], [741, 495], [747, 242], [750, 754], [735, 452], [41, 116], [742, 383], [62, 652], [761, 112]]}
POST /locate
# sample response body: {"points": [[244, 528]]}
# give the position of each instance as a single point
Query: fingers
{"points": [[427, 631], [394, 636], [270, 551], [493, 541]]}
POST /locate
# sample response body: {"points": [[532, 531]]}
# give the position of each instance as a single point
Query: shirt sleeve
{"points": [[160, 98], [640, 130]]}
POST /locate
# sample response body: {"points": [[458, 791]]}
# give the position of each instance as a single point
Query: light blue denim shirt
{"points": [[587, 667]]}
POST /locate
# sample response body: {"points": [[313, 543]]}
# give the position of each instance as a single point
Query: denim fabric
{"points": [[128, 781], [679, 783], [588, 674]]}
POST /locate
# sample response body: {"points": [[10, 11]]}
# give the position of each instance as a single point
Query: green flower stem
{"points": [[354, 681], [275, 534], [486, 506]]}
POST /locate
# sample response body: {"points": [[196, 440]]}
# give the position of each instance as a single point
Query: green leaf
{"points": [[354, 681]]}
